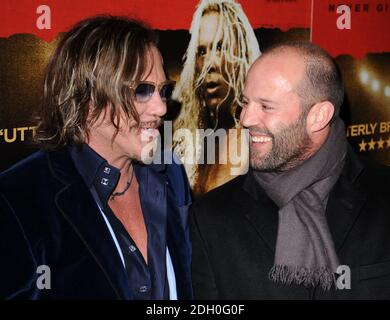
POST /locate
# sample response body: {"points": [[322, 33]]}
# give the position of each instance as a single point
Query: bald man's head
{"points": [[321, 79]]}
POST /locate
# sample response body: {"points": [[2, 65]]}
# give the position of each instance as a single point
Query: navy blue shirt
{"points": [[147, 281]]}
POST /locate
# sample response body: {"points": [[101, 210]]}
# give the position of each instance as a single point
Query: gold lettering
{"points": [[361, 130], [373, 126], [6, 137], [352, 131], [22, 130], [384, 127], [34, 130]]}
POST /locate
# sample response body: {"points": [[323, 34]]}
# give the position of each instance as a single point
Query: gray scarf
{"points": [[305, 253]]}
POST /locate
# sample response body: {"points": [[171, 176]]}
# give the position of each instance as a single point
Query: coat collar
{"points": [[345, 200], [260, 211], [344, 204], [79, 209]]}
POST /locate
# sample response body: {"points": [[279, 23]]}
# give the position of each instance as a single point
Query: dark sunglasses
{"points": [[144, 90]]}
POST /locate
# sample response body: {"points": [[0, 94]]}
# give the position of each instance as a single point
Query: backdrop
{"points": [[357, 35]]}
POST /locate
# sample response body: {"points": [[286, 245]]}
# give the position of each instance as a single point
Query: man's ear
{"points": [[319, 116]]}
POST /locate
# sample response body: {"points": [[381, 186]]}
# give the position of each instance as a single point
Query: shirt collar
{"points": [[95, 171], [98, 173]]}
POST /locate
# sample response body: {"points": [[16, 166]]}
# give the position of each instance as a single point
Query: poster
{"points": [[355, 35]]}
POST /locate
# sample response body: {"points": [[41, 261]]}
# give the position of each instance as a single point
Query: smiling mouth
{"points": [[150, 126], [149, 130], [260, 139]]}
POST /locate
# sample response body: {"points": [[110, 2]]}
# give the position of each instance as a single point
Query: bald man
{"points": [[309, 220]]}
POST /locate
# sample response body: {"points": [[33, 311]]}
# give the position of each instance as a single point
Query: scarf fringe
{"points": [[288, 275]]}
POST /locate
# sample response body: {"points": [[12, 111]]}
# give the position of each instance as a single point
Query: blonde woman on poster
{"points": [[222, 47]]}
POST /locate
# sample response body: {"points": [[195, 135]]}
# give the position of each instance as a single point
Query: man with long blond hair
{"points": [[86, 217], [221, 49]]}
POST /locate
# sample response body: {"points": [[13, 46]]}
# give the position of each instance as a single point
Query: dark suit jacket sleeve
{"points": [[203, 279], [18, 266]]}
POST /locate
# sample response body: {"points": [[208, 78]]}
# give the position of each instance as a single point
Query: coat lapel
{"points": [[178, 238], [260, 211], [79, 209], [166, 194], [345, 201]]}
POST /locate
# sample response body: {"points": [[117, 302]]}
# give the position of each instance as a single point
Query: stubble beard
{"points": [[290, 147]]}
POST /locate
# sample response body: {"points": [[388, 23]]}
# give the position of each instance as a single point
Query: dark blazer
{"points": [[234, 229], [49, 217]]}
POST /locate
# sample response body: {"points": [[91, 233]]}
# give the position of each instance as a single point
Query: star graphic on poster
{"points": [[388, 142], [380, 143], [371, 144], [363, 145]]}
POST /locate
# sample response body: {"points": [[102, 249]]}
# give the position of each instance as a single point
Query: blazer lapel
{"points": [[345, 201], [260, 211], [79, 209], [178, 238]]}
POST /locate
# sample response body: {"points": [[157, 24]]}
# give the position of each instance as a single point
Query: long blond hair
{"points": [[240, 49]]}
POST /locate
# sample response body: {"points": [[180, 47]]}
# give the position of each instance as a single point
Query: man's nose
{"points": [[158, 106], [249, 117]]}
